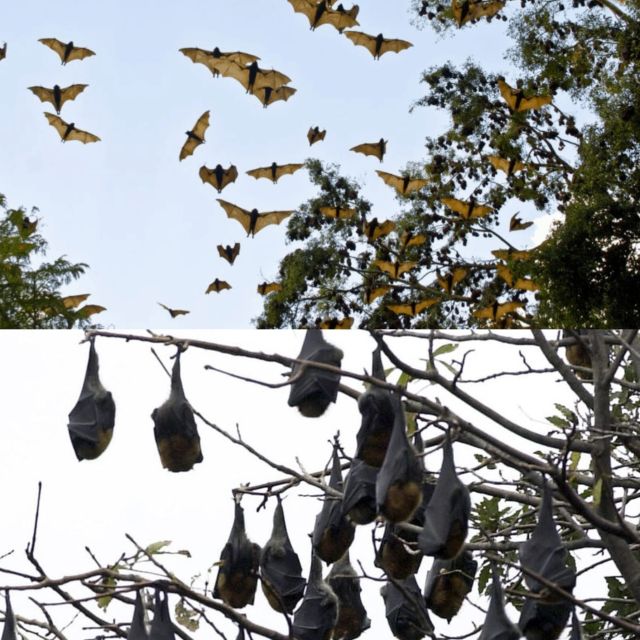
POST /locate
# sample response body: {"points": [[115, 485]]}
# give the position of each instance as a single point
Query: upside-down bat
{"points": [[515, 98], [352, 616], [218, 286], [578, 354], [525, 284], [267, 95], [336, 323], [359, 499], [213, 60], [252, 77], [195, 136], [496, 623], [228, 252], [467, 210], [57, 96], [405, 610], [3, 51], [175, 429], [332, 532], [374, 229], [253, 221], [9, 630], [137, 628], [275, 171], [377, 45], [576, 630], [369, 294], [280, 569], [161, 625], [174, 312], [338, 213], [218, 177], [377, 149], [92, 418], [413, 308], [312, 390], [468, 11], [508, 165], [498, 310], [315, 135], [448, 583], [404, 185], [66, 50], [237, 577], [319, 13], [451, 279], [68, 131], [265, 288], [446, 517], [516, 224], [408, 239], [316, 617], [394, 269]]}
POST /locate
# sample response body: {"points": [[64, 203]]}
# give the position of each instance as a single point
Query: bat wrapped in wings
{"points": [[218, 177], [253, 221], [68, 131], [216, 60], [468, 11], [9, 630], [405, 610], [321, 12], [516, 100], [275, 171], [359, 500], [67, 50], [161, 625], [57, 96], [497, 623], [252, 77], [228, 252], [137, 628], [404, 185], [377, 45], [195, 136], [377, 149]]}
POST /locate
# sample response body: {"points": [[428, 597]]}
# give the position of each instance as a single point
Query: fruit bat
{"points": [[576, 631], [312, 390], [332, 532], [517, 102], [316, 617], [335, 323], [467, 210], [371, 293], [3, 51], [66, 50], [404, 185], [218, 286], [265, 288], [315, 135], [213, 59], [57, 96], [374, 229], [337, 212], [497, 625], [359, 500], [405, 610], [280, 569], [413, 308], [448, 583], [174, 312], [497, 310], [9, 630], [238, 573], [516, 224], [161, 625], [253, 221], [252, 77], [319, 13], [468, 11], [68, 131], [267, 95], [377, 45], [195, 137], [508, 165], [446, 517], [407, 239], [451, 279], [218, 177], [577, 354], [377, 149], [175, 429], [525, 284], [352, 616], [394, 269], [511, 254], [228, 252], [92, 419], [138, 629], [275, 171], [541, 621]]}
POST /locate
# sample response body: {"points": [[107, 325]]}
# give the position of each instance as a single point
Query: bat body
{"points": [[497, 625], [215, 60], [253, 221], [218, 177], [268, 95], [517, 102], [371, 293], [516, 224], [228, 252], [507, 165], [405, 610], [394, 269], [375, 229], [338, 213], [237, 577], [404, 185], [161, 625], [377, 45], [3, 51], [252, 77], [578, 354], [195, 136], [138, 629], [467, 210], [9, 630], [511, 254], [315, 135], [413, 308], [174, 312], [66, 50], [468, 11], [525, 284], [175, 429], [57, 96], [218, 286], [275, 171], [408, 239], [265, 288], [92, 419], [68, 131], [451, 279], [319, 13], [359, 500], [497, 311], [377, 149], [336, 323]]}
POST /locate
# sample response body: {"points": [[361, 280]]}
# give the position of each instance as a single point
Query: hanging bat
{"points": [[407, 239], [511, 254], [174, 312], [317, 615], [253, 221], [516, 224], [218, 286], [515, 98], [312, 390], [469, 209], [371, 293], [174, 428], [3, 51], [394, 269], [335, 323], [405, 610], [195, 136], [265, 288], [404, 185], [393, 556], [498, 310], [280, 569], [377, 149], [228, 252], [238, 573], [252, 77], [68, 131], [374, 229], [92, 418], [137, 628], [337, 212], [319, 13], [576, 631], [267, 95], [66, 50], [377, 45], [446, 517], [578, 354], [468, 11], [9, 630], [275, 171], [508, 165], [413, 308], [315, 135], [497, 623], [352, 616], [216, 59], [161, 625], [524, 284], [57, 96], [218, 177], [359, 500], [451, 279]]}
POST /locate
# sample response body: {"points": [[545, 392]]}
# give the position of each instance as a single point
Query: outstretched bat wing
{"points": [[161, 625], [218, 286], [174, 312], [363, 40], [55, 45], [265, 288], [82, 136], [237, 213], [266, 95], [339, 18], [394, 45], [45, 95], [497, 623], [80, 53], [400, 185], [271, 79], [271, 217], [370, 149], [405, 609], [229, 253]]}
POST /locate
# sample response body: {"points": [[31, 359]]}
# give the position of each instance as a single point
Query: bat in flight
{"points": [[375, 229], [409, 239], [516, 224], [319, 13], [68, 131], [525, 284], [66, 50], [336, 323], [467, 209], [377, 149], [195, 136], [451, 279], [394, 269], [57, 96], [137, 628], [161, 625], [174, 312], [468, 11], [218, 177], [404, 185], [377, 45], [405, 610], [228, 252], [216, 60], [412, 308], [253, 221], [497, 623], [371, 293], [3, 51], [267, 95], [511, 254], [498, 310], [265, 288], [218, 286], [275, 171], [252, 77], [339, 213], [515, 98], [315, 135], [507, 165]]}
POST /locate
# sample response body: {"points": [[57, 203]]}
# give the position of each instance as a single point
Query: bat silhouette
{"points": [[253, 221], [238, 573], [337, 212], [280, 569], [374, 229], [578, 354], [377, 149], [265, 288], [9, 630], [576, 630], [175, 429], [408, 239], [515, 98], [394, 269], [496, 623], [507, 165], [228, 252], [195, 136], [336, 323], [218, 177], [274, 171], [92, 419], [218, 286], [377, 45], [516, 224], [468, 11], [174, 312], [216, 60], [404, 185], [267, 95], [405, 610], [413, 308], [451, 279], [161, 625], [57, 96], [3, 51], [468, 209], [252, 77], [314, 389], [315, 135], [68, 131], [138, 629], [498, 310], [359, 500], [319, 13], [371, 293], [511, 254], [66, 50], [525, 284]]}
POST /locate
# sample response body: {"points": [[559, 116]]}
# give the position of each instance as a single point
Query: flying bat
{"points": [[312, 390], [265, 288], [405, 610], [338, 213], [175, 429], [336, 323], [275, 171], [66, 50], [451, 279], [371, 293], [253, 221], [9, 630], [252, 77], [578, 354], [497, 623], [137, 628], [511, 254], [377, 149], [161, 625], [315, 135], [215, 60], [218, 286], [525, 284], [468, 11], [516, 224], [195, 136], [68, 131], [498, 310], [174, 312], [517, 102], [404, 185], [359, 499], [3, 51], [238, 573], [394, 269], [507, 165], [374, 229], [408, 239], [267, 95], [319, 13], [92, 419], [218, 177], [469, 209], [280, 569], [228, 252], [412, 308], [57, 96], [377, 45]]}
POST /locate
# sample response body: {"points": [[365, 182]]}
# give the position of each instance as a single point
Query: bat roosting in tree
{"points": [[161, 625], [515, 98], [9, 630], [68, 131], [468, 11], [174, 312], [377, 149], [228, 252], [267, 95], [253, 221], [377, 45], [57, 96], [66, 50], [218, 286], [215, 60], [315, 135], [137, 628], [319, 13], [497, 623], [405, 610], [195, 136], [359, 500], [218, 177], [404, 185], [275, 171]]}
